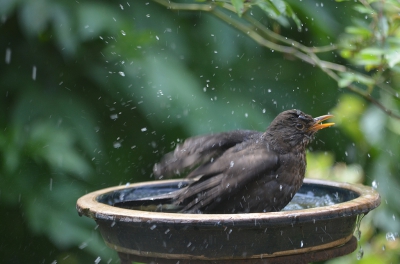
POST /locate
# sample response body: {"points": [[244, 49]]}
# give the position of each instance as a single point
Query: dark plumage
{"points": [[243, 170]]}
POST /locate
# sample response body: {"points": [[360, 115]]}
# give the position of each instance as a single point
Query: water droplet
{"points": [[144, 129], [231, 164], [301, 243], [122, 7], [96, 261], [117, 144], [153, 227], [264, 111], [8, 56], [34, 72], [83, 245], [383, 247], [390, 236], [375, 184], [122, 73], [360, 253], [188, 245], [114, 116], [148, 15], [157, 38], [246, 115], [280, 187], [123, 33]]}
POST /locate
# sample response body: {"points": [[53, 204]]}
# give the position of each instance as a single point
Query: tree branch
{"points": [[267, 38]]}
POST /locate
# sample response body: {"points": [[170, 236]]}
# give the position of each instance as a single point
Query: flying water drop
{"points": [[375, 184]]}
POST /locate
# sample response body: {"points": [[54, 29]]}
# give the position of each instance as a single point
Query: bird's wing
{"points": [[198, 150], [226, 176]]}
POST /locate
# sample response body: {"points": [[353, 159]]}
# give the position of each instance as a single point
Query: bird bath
{"points": [[322, 231]]}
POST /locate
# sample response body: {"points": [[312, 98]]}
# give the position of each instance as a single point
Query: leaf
{"points": [[370, 57], [7, 6], [293, 15], [393, 57], [347, 114], [360, 31], [345, 81], [279, 6], [54, 146], [347, 78], [239, 6], [279, 10], [269, 9], [365, 10], [91, 24], [34, 16]]}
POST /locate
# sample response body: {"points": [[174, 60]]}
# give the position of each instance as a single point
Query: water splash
{"points": [[357, 232], [358, 223], [390, 236], [360, 253]]}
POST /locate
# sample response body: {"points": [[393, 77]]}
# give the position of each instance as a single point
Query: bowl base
{"points": [[313, 256]]}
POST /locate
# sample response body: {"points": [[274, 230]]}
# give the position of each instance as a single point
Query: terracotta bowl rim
{"points": [[368, 199]]}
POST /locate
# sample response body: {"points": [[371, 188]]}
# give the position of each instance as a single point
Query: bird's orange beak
{"points": [[318, 123]]}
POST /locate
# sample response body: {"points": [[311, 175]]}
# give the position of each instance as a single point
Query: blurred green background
{"points": [[94, 92]]}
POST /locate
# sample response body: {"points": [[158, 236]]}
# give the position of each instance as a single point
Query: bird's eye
{"points": [[300, 126]]}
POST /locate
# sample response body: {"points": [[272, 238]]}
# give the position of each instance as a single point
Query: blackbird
{"points": [[243, 171]]}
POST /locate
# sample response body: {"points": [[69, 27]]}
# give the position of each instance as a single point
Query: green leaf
{"points": [[269, 9], [347, 114], [345, 81], [34, 16], [55, 147], [364, 79], [279, 6], [360, 31], [393, 57], [279, 10], [347, 78], [239, 6], [365, 10], [370, 57], [293, 15]]}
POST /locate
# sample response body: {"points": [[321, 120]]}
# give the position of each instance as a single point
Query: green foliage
{"points": [[277, 10], [372, 42]]}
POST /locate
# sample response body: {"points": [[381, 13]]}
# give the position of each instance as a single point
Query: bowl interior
{"points": [[157, 197]]}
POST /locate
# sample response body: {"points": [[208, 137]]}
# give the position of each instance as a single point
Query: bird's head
{"points": [[293, 128]]}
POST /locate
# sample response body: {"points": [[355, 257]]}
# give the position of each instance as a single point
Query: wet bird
{"points": [[243, 171]]}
